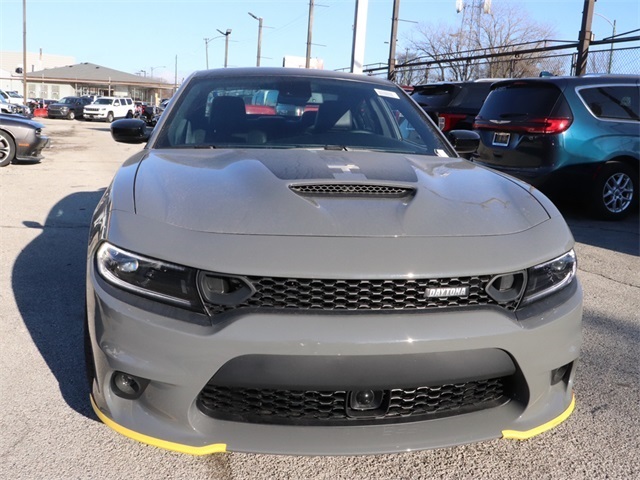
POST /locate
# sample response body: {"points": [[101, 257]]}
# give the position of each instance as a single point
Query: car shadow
{"points": [[621, 236], [48, 281]]}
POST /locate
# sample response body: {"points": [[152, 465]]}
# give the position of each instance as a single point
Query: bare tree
{"points": [[506, 30], [408, 75], [443, 45]]}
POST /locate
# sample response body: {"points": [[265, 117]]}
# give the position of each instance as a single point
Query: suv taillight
{"points": [[448, 121], [547, 125]]}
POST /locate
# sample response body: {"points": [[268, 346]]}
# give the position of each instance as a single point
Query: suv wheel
{"points": [[71, 115], [615, 191], [109, 117]]}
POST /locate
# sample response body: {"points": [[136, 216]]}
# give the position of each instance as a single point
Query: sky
{"points": [[166, 36]]}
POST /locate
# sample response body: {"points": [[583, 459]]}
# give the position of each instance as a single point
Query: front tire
{"points": [[7, 149], [109, 117], [71, 115], [615, 191]]}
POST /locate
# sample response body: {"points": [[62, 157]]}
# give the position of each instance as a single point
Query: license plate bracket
{"points": [[501, 139]]}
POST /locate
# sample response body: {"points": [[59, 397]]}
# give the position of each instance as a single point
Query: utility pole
{"points": [[584, 37], [24, 51], [392, 41], [175, 77], [309, 29], [259, 36]]}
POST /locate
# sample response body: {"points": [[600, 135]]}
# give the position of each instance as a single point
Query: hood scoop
{"points": [[352, 190]]}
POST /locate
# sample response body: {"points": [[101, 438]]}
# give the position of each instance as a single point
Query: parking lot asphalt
{"points": [[47, 427]]}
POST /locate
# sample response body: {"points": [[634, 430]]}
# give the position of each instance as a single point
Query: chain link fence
{"points": [[514, 65]]}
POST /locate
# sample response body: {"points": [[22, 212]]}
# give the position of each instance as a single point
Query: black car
{"points": [[20, 140], [68, 107], [452, 105], [572, 137]]}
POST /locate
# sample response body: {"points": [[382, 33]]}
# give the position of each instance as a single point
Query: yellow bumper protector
{"points": [[519, 435], [176, 447]]}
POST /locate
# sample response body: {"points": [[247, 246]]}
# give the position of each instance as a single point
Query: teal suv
{"points": [[577, 135]]}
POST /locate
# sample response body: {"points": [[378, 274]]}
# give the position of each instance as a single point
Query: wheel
{"points": [[615, 191], [7, 149], [109, 117], [71, 115]]}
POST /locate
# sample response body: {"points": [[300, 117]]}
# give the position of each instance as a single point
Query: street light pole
{"points": [[613, 34], [152, 68], [259, 36], [226, 44], [206, 50]]}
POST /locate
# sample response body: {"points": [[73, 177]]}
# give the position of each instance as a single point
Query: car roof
{"points": [[565, 81], [291, 72]]}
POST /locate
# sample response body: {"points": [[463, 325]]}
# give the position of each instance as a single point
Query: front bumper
{"points": [[180, 358], [95, 115], [30, 151]]}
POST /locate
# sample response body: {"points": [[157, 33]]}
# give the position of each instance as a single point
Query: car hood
{"points": [[16, 121], [252, 191]]}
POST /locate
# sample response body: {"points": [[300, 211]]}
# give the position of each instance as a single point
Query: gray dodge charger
{"points": [[299, 262]]}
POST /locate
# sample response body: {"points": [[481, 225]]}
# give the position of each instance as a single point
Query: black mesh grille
{"points": [[361, 295], [352, 189], [296, 407]]}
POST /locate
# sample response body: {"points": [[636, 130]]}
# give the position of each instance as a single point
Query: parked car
{"points": [[68, 107], [7, 108], [567, 134], [148, 113], [11, 96], [258, 283], [452, 105], [109, 108], [21, 139]]}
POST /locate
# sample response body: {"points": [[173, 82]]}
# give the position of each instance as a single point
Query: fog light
{"points": [[128, 386], [561, 374], [363, 400]]}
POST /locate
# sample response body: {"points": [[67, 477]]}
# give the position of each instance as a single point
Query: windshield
{"points": [[437, 95], [520, 100], [14, 95], [68, 100], [297, 112], [104, 101]]}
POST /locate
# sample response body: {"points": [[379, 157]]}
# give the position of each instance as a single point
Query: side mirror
{"points": [[464, 141], [129, 130]]}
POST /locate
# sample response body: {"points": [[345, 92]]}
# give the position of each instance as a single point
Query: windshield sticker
{"points": [[387, 93], [441, 153]]}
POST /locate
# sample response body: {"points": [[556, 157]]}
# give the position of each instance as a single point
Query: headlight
{"points": [[156, 279], [549, 277], [64, 109]]}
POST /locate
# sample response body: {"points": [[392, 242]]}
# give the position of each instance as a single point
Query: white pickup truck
{"points": [[109, 108]]}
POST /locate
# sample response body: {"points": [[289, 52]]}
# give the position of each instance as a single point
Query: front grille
{"points": [[352, 190], [361, 295], [298, 407]]}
